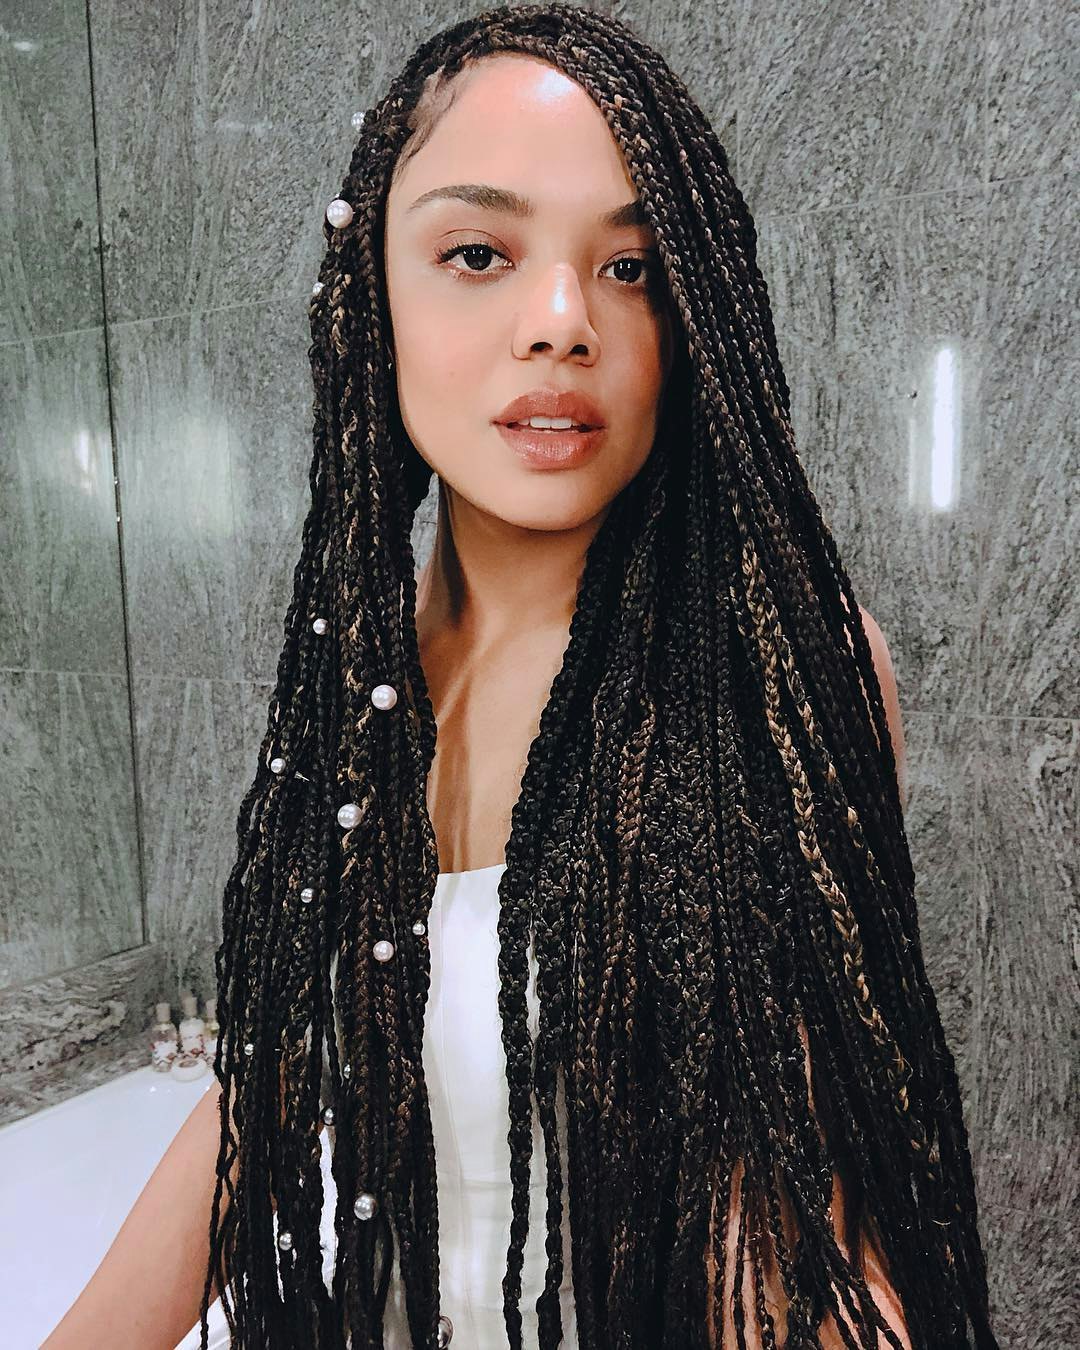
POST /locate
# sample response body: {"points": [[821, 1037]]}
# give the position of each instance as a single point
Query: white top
{"points": [[465, 1069]]}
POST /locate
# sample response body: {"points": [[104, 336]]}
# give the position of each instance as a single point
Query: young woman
{"points": [[611, 994]]}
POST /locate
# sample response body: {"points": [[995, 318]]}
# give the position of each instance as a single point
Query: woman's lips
{"points": [[552, 449]]}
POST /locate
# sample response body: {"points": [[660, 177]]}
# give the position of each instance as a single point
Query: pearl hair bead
{"points": [[384, 696], [348, 815], [307, 895], [365, 1205], [317, 289], [249, 1049], [446, 1331], [346, 1071], [339, 213], [320, 626], [285, 1241], [277, 765], [382, 950], [419, 928], [328, 1115]]}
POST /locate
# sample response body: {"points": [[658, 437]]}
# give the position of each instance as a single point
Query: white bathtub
{"points": [[69, 1175]]}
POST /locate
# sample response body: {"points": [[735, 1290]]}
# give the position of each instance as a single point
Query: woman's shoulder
{"points": [[886, 676]]}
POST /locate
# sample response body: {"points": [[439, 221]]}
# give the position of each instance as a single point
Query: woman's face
{"points": [[557, 299]]}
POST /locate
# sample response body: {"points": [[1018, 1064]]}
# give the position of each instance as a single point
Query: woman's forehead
{"points": [[520, 124]]}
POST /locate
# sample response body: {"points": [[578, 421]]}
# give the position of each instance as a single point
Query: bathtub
{"points": [[69, 1175]]}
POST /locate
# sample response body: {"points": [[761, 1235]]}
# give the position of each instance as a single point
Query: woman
{"points": [[667, 789]]}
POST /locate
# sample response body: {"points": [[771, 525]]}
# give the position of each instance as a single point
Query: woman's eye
{"points": [[640, 269], [636, 274], [470, 253]]}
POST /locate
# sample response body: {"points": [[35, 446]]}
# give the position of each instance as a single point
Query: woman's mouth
{"points": [[552, 447]]}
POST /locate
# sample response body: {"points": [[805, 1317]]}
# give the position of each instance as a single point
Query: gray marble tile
{"points": [[841, 102], [172, 392], [223, 142], [230, 720], [262, 373], [60, 604], [1031, 1273], [879, 317], [1026, 987], [68, 834], [1030, 604], [67, 1033], [1033, 69], [939, 822], [50, 266], [215, 502], [423, 530], [193, 925], [197, 757]]}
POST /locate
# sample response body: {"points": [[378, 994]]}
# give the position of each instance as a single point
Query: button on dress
{"points": [[465, 1068]]}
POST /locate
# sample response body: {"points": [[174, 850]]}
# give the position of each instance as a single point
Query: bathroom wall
{"points": [[909, 167], [77, 964], [912, 171]]}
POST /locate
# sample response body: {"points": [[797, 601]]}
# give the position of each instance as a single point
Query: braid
{"points": [[707, 854]]}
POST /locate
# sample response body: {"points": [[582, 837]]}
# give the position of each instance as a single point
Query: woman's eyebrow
{"points": [[491, 198]]}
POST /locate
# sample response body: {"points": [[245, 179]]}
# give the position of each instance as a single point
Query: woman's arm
{"points": [[145, 1294], [877, 1279]]}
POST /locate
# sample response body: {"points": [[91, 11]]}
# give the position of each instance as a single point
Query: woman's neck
{"points": [[488, 579]]}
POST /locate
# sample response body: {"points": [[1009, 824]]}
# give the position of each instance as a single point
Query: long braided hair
{"points": [[708, 850]]}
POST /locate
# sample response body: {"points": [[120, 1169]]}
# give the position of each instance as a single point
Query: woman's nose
{"points": [[556, 313]]}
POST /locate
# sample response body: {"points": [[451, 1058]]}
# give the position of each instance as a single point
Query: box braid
{"points": [[707, 852]]}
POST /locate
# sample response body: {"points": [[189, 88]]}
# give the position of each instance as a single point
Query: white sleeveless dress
{"points": [[465, 1068]]}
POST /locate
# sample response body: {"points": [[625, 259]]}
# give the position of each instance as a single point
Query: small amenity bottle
{"points": [[210, 1032], [192, 1027], [164, 1043], [189, 1063]]}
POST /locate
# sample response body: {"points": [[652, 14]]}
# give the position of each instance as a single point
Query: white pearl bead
{"points": [[348, 815], [384, 696], [277, 765], [346, 1071], [249, 1049], [320, 626], [446, 1331], [365, 1205], [285, 1241], [383, 950], [418, 928], [307, 895], [317, 289], [339, 213], [328, 1115]]}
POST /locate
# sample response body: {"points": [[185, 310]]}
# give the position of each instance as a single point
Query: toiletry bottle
{"points": [[210, 1032], [192, 1027], [187, 1065], [164, 1043]]}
